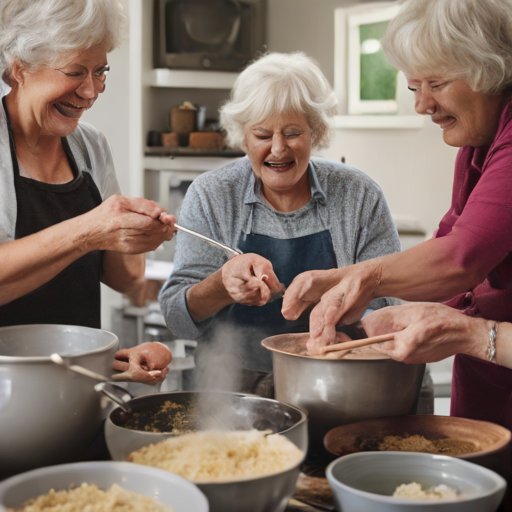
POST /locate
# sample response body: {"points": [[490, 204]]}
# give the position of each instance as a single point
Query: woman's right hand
{"points": [[129, 225], [249, 279], [342, 296]]}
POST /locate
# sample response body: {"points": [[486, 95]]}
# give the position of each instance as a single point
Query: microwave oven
{"points": [[222, 35]]}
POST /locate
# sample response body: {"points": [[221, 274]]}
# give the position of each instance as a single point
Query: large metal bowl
{"points": [[222, 411], [340, 391], [49, 415]]}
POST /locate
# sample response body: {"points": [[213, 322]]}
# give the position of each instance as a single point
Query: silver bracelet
{"points": [[491, 351]]}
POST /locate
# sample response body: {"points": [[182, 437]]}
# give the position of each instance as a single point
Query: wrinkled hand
{"points": [[343, 293], [250, 279], [147, 363], [341, 337], [126, 224], [427, 332]]}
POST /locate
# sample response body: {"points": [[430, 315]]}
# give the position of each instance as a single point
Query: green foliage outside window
{"points": [[378, 77]]}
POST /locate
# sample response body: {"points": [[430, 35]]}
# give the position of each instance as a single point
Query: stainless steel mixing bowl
{"points": [[216, 410], [225, 411], [340, 391], [48, 414]]}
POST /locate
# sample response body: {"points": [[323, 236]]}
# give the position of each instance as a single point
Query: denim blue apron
{"points": [[289, 257]]}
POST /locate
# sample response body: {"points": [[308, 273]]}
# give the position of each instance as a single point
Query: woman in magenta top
{"points": [[457, 57]]}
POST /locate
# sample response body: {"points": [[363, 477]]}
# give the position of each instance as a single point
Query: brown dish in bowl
{"points": [[295, 345], [446, 435]]}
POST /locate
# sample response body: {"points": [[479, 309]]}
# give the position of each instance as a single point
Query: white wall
{"points": [[414, 167], [110, 114]]}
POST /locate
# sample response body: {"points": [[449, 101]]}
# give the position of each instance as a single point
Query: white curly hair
{"points": [[279, 83], [38, 32], [466, 39]]}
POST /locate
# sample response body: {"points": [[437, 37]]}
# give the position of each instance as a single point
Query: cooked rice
{"points": [[89, 498], [220, 456], [414, 491]]}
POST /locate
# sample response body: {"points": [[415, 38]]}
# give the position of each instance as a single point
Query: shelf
{"points": [[378, 122], [186, 151], [185, 78]]}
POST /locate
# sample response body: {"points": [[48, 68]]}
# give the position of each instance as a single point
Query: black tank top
{"points": [[73, 296]]}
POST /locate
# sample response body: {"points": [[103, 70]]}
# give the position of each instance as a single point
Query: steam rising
{"points": [[220, 367]]}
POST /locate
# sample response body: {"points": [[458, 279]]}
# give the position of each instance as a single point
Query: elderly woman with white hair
{"points": [[457, 57], [288, 212], [63, 226]]}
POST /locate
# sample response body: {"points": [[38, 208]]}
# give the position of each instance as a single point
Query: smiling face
{"points": [[279, 149], [467, 118], [55, 97]]}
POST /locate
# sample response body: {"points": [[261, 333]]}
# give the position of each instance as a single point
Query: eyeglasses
{"points": [[288, 136], [80, 74]]}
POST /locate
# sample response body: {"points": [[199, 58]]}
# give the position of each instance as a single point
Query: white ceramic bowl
{"points": [[155, 483], [366, 481]]}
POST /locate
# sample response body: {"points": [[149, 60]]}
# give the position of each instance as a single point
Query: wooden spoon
{"points": [[349, 345]]}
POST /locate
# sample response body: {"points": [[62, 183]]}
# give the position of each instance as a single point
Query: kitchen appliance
{"points": [[340, 391], [48, 414], [221, 35]]}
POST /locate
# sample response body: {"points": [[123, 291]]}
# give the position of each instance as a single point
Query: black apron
{"points": [[289, 257], [73, 296]]}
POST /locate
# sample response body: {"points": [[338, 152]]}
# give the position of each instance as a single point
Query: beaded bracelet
{"points": [[491, 351]]}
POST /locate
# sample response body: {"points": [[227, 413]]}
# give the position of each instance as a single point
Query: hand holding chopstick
{"points": [[349, 345]]}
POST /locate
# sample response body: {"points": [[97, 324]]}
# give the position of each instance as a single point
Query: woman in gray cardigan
{"points": [[287, 211]]}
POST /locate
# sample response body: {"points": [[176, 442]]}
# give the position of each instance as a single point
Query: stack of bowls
{"points": [[226, 411], [241, 412]]}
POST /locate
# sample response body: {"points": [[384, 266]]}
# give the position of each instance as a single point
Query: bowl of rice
{"points": [[238, 471], [162, 415], [100, 487], [406, 482]]}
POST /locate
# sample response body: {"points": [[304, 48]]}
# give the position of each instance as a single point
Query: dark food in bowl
{"points": [[445, 435], [179, 413], [168, 417], [415, 443]]}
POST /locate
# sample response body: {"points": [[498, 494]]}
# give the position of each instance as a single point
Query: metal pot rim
{"points": [[47, 359], [303, 412]]}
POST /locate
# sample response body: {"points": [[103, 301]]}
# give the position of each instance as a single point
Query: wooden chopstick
{"points": [[349, 345]]}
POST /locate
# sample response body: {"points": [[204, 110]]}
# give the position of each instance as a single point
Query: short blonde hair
{"points": [[275, 84], [466, 39], [38, 32]]}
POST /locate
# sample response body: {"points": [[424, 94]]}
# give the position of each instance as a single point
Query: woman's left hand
{"points": [[249, 279], [427, 332], [147, 363]]}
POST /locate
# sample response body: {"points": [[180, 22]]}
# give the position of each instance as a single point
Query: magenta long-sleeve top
{"points": [[479, 224]]}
